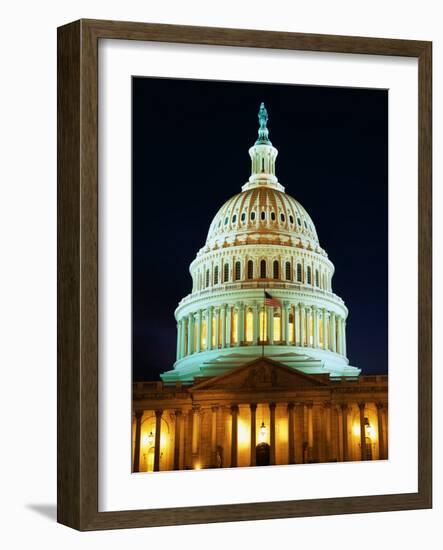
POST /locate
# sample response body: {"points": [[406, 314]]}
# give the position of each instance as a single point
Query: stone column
{"points": [[316, 326], [328, 430], [253, 408], [190, 333], [228, 326], [297, 325], [303, 324], [272, 407], [178, 417], [138, 427], [308, 326], [223, 325], [158, 424], [255, 324], [197, 345], [234, 435], [291, 430], [270, 323], [381, 435], [214, 436], [209, 315], [333, 332], [325, 330], [240, 323], [285, 322], [310, 432], [217, 328], [344, 412], [195, 432], [343, 337]]}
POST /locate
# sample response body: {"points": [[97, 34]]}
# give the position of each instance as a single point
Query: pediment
{"points": [[262, 374]]}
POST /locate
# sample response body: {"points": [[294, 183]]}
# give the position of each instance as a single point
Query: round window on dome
{"points": [[273, 216], [252, 216], [299, 221], [243, 216], [291, 219], [234, 218], [263, 215], [306, 225], [282, 217], [226, 221]]}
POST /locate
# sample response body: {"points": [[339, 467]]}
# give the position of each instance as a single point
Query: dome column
{"points": [[303, 325], [297, 325], [190, 333], [199, 331], [209, 314], [333, 333], [240, 323], [270, 323], [325, 330], [255, 324], [308, 326], [217, 328], [223, 325], [177, 355], [316, 327], [343, 335], [228, 327], [285, 322]]}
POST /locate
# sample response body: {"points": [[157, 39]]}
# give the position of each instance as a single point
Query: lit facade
{"points": [[257, 383]]}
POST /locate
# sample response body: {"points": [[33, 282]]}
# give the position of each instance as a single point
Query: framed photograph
{"points": [[244, 275]]}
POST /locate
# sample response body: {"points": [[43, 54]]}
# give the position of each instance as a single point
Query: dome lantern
{"points": [[263, 155]]}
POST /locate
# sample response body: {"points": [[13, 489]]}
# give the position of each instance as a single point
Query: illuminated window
{"points": [[311, 330], [237, 271], [275, 269], [263, 325], [299, 273], [309, 275], [288, 271], [263, 269], [226, 273], [216, 275], [250, 269], [249, 326], [234, 324], [207, 278], [203, 341], [276, 327]]}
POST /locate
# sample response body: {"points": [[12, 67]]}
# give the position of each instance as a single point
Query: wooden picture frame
{"points": [[78, 274]]}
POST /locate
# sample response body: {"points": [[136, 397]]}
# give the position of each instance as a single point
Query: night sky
{"points": [[190, 154]]}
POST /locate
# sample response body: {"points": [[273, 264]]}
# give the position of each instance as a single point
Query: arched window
{"points": [[207, 278], [243, 216], [216, 275], [250, 269], [288, 271], [263, 215], [252, 216], [234, 218], [299, 277], [275, 269], [237, 271], [317, 278], [309, 275], [273, 216], [263, 269], [226, 273], [282, 217]]}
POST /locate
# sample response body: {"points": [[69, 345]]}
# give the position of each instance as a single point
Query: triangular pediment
{"points": [[262, 374]]}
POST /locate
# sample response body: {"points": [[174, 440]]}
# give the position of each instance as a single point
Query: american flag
{"points": [[270, 301]]}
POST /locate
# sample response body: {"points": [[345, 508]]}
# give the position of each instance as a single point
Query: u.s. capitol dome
{"points": [[261, 285]]}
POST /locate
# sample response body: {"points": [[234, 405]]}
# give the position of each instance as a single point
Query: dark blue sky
{"points": [[190, 154]]}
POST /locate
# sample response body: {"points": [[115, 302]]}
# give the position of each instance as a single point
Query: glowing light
{"points": [[356, 430], [263, 432], [370, 431], [148, 439], [243, 434], [197, 466]]}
